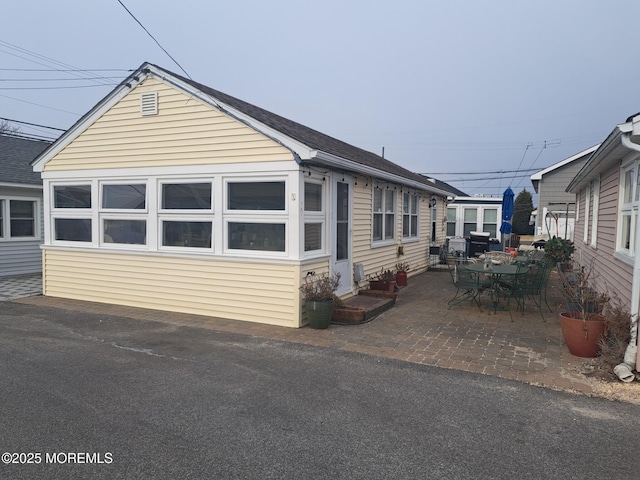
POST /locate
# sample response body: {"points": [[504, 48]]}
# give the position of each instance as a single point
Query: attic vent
{"points": [[149, 103]]}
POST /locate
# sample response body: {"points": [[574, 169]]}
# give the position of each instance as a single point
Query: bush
{"points": [[318, 288]]}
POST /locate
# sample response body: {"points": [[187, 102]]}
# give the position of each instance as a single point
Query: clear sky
{"points": [[457, 89]]}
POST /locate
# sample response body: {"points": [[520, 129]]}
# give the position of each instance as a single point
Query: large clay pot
{"points": [[582, 337], [319, 313], [401, 279]]}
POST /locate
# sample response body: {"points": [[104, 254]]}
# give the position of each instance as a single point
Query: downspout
{"points": [[624, 371]]}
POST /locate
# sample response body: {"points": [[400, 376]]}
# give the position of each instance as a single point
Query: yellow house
{"points": [[171, 195]]}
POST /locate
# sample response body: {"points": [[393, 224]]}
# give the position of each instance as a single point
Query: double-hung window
{"points": [[314, 216], [71, 213], [470, 221], [384, 214], [409, 216], [256, 215], [18, 218], [186, 214], [123, 213], [628, 210], [451, 221], [490, 221]]}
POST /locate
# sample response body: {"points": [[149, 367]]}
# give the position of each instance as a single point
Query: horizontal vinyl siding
{"points": [[18, 258], [184, 132], [262, 293], [612, 276], [374, 259]]}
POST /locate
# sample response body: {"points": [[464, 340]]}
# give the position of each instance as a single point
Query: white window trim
{"points": [[314, 217], [587, 203], [384, 241], [416, 237], [594, 212], [256, 253], [631, 209], [175, 211], [6, 219]]}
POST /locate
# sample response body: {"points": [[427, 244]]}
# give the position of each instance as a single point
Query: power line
{"points": [[479, 173], [154, 39], [32, 124], [68, 87], [39, 105]]}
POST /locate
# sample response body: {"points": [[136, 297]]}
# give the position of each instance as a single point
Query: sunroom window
{"points": [[121, 216], [470, 221], [186, 219], [451, 222], [255, 217], [72, 229], [313, 216], [71, 212], [72, 196], [490, 221]]}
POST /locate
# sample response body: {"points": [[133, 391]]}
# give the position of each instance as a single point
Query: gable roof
{"points": [[16, 154], [577, 156], [308, 145]]}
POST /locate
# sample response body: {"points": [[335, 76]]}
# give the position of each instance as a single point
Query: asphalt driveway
{"points": [[168, 401]]}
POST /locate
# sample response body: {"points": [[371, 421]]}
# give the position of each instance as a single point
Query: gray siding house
{"points": [[21, 216], [607, 191], [556, 207]]}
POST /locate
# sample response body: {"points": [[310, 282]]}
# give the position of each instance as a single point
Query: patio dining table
{"points": [[502, 278]]}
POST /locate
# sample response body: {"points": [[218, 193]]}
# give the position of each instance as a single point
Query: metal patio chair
{"points": [[468, 285], [534, 285]]}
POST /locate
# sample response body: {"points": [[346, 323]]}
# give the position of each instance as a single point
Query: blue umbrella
{"points": [[507, 211]]}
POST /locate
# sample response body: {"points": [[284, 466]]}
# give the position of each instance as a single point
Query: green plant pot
{"points": [[319, 313]]}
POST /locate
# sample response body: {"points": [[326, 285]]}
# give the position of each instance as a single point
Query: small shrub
{"points": [[318, 288], [616, 338]]}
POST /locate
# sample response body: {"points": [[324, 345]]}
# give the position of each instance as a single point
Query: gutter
{"points": [[344, 164], [632, 356]]}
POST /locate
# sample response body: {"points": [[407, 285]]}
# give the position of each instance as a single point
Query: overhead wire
{"points": [[154, 39]]}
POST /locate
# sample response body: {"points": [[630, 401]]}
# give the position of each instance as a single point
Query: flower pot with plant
{"points": [[558, 251], [401, 273], [383, 280], [319, 298], [582, 322]]}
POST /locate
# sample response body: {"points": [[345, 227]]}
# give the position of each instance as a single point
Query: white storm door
{"points": [[341, 219]]}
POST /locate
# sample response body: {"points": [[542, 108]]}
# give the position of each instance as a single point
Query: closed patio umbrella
{"points": [[507, 213]]}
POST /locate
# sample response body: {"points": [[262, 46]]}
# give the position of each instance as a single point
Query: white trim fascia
{"points": [[342, 163], [538, 175], [177, 171], [21, 185]]}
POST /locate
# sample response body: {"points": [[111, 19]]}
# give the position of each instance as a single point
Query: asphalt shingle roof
{"points": [[307, 136], [16, 155]]}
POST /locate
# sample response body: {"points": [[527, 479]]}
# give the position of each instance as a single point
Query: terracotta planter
{"points": [[401, 279], [382, 285], [582, 337], [319, 313]]}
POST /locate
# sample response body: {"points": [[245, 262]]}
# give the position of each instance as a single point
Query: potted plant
{"points": [[401, 273], [319, 298], [558, 251], [384, 280], [582, 322]]}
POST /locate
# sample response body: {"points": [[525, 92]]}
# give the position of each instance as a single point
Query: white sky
{"points": [[455, 86]]}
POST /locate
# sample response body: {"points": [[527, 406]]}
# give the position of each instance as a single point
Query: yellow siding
{"points": [[239, 290], [184, 132], [373, 259]]}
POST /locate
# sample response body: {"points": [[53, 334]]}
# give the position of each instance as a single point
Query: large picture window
{"points": [[384, 215]]}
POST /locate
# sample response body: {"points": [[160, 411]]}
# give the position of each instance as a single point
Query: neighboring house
{"points": [[174, 196], [607, 235], [20, 206], [474, 214], [555, 215]]}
